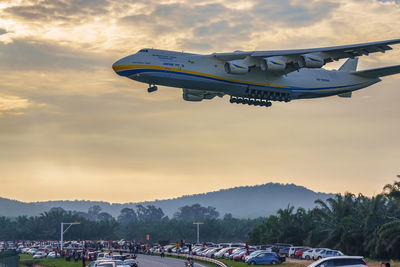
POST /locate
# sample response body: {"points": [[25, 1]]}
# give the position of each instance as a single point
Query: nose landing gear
{"points": [[152, 88]]}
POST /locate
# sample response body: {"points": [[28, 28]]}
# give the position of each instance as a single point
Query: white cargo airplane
{"points": [[257, 77]]}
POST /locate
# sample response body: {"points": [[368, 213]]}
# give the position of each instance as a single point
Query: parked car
{"points": [[212, 252], [131, 262], [299, 253], [241, 256], [325, 253], [236, 252], [53, 255], [107, 264], [252, 254], [293, 250], [347, 261], [312, 253], [33, 251], [277, 246], [113, 263], [265, 247], [263, 258], [284, 252], [39, 255], [221, 253], [102, 260]]}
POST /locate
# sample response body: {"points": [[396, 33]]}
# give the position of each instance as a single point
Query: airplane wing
{"points": [[334, 52], [309, 58], [379, 72]]}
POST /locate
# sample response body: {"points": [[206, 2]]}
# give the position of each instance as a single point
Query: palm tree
{"points": [[393, 190], [338, 226], [390, 231], [374, 212]]}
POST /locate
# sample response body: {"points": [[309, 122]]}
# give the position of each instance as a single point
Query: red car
{"points": [[300, 252], [242, 255]]}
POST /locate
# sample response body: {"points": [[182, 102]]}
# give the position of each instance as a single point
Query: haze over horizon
{"points": [[70, 128], [186, 194]]}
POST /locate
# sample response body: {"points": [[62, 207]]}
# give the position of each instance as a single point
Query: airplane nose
{"points": [[120, 65], [116, 65]]}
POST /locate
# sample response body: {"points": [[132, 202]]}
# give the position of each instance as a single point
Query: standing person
{"points": [[83, 261], [190, 248], [162, 252]]}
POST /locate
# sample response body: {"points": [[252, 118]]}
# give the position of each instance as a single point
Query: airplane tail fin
{"points": [[379, 72], [350, 65]]}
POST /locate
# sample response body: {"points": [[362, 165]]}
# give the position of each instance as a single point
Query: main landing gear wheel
{"points": [[248, 101], [152, 88]]}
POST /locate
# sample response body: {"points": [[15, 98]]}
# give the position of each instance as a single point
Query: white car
{"points": [[53, 255], [307, 255], [312, 254], [339, 261], [114, 263], [39, 255], [25, 250], [326, 253], [33, 251]]}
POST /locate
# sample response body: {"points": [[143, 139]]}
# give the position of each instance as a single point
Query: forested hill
{"points": [[241, 202]]}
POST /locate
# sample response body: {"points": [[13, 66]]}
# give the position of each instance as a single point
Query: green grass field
{"points": [[26, 260]]}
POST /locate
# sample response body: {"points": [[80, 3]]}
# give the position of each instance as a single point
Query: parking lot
{"points": [[133, 254]]}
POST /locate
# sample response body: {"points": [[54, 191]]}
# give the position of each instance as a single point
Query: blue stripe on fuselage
{"points": [[130, 72]]}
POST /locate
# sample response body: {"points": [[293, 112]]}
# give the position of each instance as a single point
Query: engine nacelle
{"points": [[197, 95], [272, 64], [192, 97], [238, 66], [311, 61]]}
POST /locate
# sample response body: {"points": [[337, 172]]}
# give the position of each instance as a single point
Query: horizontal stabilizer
{"points": [[346, 95], [379, 72]]}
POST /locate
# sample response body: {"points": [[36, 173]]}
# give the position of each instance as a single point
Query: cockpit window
{"points": [[144, 50]]}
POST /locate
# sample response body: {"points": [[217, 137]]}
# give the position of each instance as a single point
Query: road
{"points": [[157, 261]]}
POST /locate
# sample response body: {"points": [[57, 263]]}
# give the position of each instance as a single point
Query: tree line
{"points": [[355, 225], [130, 225]]}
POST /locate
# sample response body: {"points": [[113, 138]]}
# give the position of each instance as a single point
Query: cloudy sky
{"points": [[70, 128]]}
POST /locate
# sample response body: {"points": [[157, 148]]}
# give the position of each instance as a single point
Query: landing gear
{"points": [[152, 88], [261, 98], [251, 102]]}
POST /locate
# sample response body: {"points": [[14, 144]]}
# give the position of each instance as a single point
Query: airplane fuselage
{"points": [[207, 73]]}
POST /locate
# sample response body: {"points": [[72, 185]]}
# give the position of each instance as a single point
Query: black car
{"points": [[276, 247], [284, 252]]}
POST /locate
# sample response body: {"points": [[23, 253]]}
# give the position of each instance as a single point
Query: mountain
{"points": [[241, 202]]}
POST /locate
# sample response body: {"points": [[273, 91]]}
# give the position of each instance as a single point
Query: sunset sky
{"points": [[70, 128]]}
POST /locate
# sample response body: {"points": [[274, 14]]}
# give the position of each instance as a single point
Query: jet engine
{"points": [[272, 64], [311, 61], [238, 66]]}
